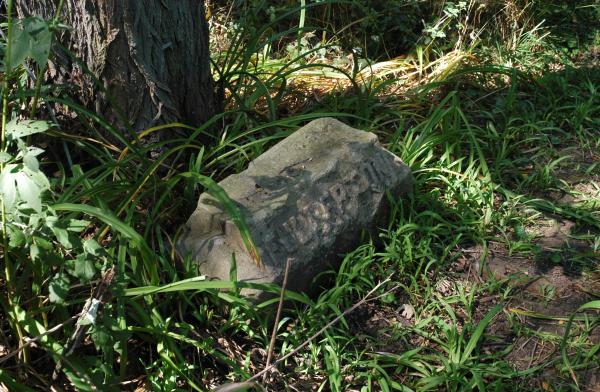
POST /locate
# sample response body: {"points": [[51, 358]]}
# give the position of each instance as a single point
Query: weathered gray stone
{"points": [[308, 198]]}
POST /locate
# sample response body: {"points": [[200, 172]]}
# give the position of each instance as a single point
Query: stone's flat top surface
{"points": [[314, 140], [307, 198], [297, 156]]}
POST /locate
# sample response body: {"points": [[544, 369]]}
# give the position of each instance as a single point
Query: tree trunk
{"points": [[151, 56]]}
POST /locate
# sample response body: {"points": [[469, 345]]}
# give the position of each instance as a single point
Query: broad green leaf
{"points": [[43, 243], [8, 189], [31, 38], [51, 221], [18, 129], [29, 191], [77, 225], [34, 151], [92, 247], [17, 238], [62, 235], [19, 46], [31, 162], [5, 157], [35, 220], [84, 268], [22, 146], [59, 287], [41, 40], [39, 178], [101, 337], [34, 251]]}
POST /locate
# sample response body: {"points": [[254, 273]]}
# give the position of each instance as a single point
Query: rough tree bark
{"points": [[151, 55]]}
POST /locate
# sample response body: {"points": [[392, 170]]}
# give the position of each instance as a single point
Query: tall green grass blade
{"points": [[478, 333], [150, 259], [232, 210], [592, 305], [12, 384], [199, 283]]}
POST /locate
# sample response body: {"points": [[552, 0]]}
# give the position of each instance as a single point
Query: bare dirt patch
{"points": [[550, 279]]}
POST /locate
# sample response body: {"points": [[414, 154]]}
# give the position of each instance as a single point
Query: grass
{"points": [[490, 130]]}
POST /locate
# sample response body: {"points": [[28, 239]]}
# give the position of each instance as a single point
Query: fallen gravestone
{"points": [[308, 198]]}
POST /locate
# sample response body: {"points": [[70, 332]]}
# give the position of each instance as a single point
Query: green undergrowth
{"points": [[489, 128]]}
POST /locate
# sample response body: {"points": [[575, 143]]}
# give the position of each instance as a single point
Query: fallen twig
{"points": [[318, 333], [277, 316], [29, 342], [89, 312]]}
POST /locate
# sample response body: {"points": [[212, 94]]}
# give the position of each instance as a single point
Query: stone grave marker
{"points": [[308, 198]]}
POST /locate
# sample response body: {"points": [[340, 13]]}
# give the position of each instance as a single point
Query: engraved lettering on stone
{"points": [[322, 214], [381, 167], [298, 226], [374, 177], [357, 183], [317, 189], [311, 222], [319, 210], [270, 247], [279, 242], [285, 239], [351, 203], [339, 195], [335, 212]]}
